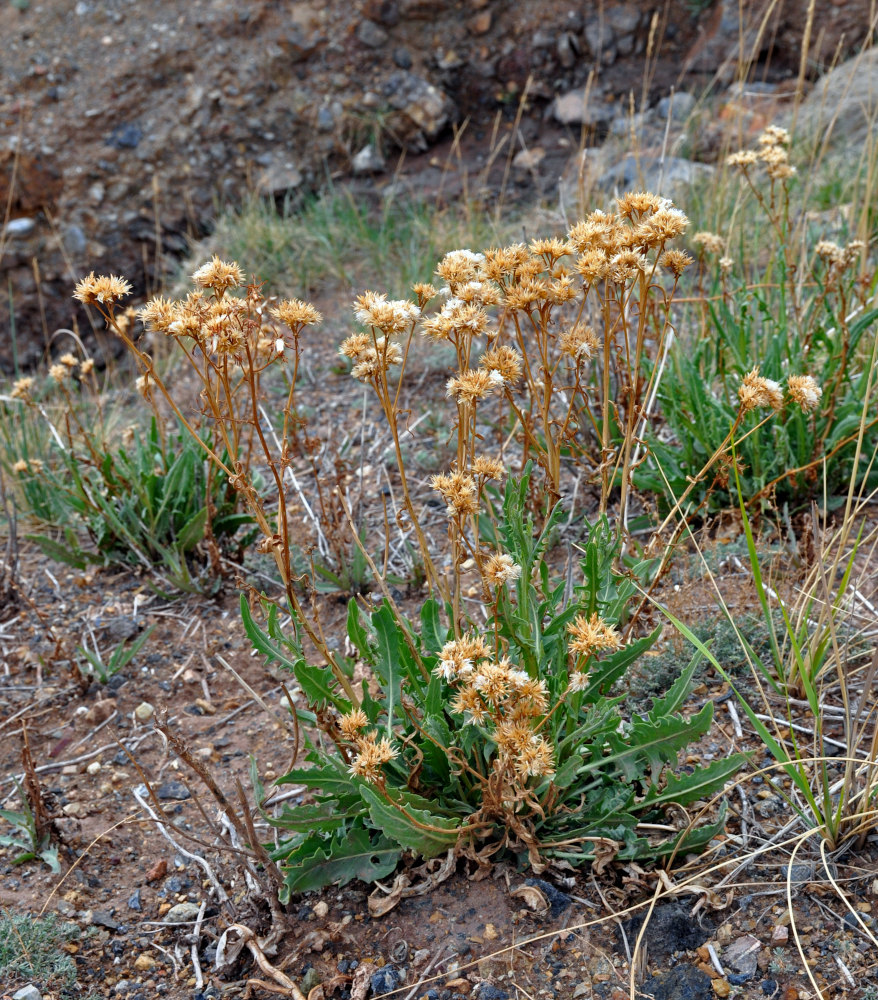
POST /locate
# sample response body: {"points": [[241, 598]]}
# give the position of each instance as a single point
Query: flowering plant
{"points": [[502, 737]]}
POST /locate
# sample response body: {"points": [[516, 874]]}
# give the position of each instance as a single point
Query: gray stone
{"points": [[371, 34], [843, 106], [528, 160], [182, 912], [742, 954], [671, 177], [172, 791], [421, 110], [712, 52], [368, 161], [281, 176], [27, 993], [567, 48], [100, 918], [20, 227], [74, 240], [402, 57], [676, 106], [582, 107]]}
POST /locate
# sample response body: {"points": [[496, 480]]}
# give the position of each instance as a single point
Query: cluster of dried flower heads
{"points": [[758, 392], [771, 152]]}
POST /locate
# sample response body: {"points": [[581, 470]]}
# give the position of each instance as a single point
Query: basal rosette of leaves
{"points": [[446, 778]]}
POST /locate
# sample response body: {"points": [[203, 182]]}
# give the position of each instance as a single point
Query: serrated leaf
{"points": [[320, 861], [420, 831], [702, 783]]}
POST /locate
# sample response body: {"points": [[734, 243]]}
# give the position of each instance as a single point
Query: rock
{"points": [[101, 918], [27, 993], [421, 110], [371, 34], [567, 49], [527, 160], [721, 987], [582, 107], [386, 979], [368, 161], [843, 105], [134, 902], [402, 58], [125, 136], [144, 962], [94, 767], [182, 912], [144, 712], [742, 955], [672, 929], [19, 227], [780, 934], [172, 791], [74, 239], [558, 901], [712, 53], [671, 177], [102, 709], [683, 983], [281, 175], [480, 24], [677, 106], [488, 992], [386, 12]]}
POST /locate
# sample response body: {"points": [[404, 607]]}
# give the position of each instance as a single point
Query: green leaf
{"points": [[676, 694], [68, 552], [316, 683], [408, 830], [320, 861], [356, 632], [262, 643], [192, 531], [704, 782]]}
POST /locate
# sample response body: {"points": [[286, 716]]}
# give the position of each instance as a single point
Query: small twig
{"points": [[196, 935], [162, 825]]}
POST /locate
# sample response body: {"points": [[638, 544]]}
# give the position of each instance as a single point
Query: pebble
{"points": [[101, 918], [321, 909], [677, 106], [581, 107], [385, 980], [558, 901], [683, 983], [489, 992], [93, 767], [172, 791], [20, 227], [742, 955], [780, 934], [134, 901], [368, 161], [144, 712], [371, 34], [100, 712], [28, 993], [528, 160], [182, 912], [144, 962]]}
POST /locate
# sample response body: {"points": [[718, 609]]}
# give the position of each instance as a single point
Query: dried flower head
{"points": [[219, 275], [21, 388], [295, 314], [774, 135], [391, 317], [158, 314], [675, 261], [726, 264], [87, 367], [372, 754], [805, 391], [101, 290], [757, 391], [501, 569], [459, 491], [580, 342], [58, 372], [592, 634], [69, 361], [709, 242], [489, 468], [742, 159], [473, 385], [638, 203], [504, 360], [460, 266], [352, 724]]}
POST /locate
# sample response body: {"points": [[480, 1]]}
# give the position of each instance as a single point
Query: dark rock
{"points": [[371, 34], [769, 987], [683, 983], [489, 992], [134, 902], [737, 978], [402, 58], [385, 980], [558, 901], [172, 790], [421, 110], [126, 136], [742, 955], [671, 929], [101, 918]]}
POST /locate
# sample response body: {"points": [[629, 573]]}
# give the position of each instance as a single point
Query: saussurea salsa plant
{"points": [[486, 721]]}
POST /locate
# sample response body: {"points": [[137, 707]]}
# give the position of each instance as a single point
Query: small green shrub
{"points": [[32, 948]]}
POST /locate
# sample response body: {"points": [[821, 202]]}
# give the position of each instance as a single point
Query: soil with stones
{"points": [[124, 123]]}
